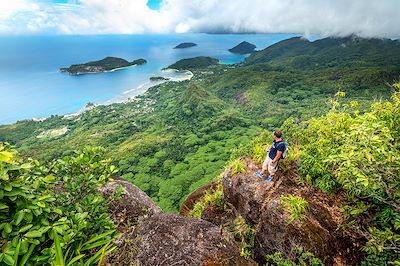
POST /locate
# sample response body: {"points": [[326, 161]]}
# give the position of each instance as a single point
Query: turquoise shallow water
{"points": [[31, 85]]}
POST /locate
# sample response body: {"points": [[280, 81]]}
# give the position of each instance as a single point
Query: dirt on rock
{"points": [[218, 216]]}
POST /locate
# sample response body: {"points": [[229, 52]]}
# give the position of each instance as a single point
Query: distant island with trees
{"points": [[185, 45], [195, 62], [243, 48], [104, 65]]}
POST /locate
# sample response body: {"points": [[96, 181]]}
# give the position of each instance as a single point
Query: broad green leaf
{"points": [[33, 241], [13, 192], [16, 253], [25, 228], [7, 228], [4, 176], [24, 246], [34, 234], [49, 178], [3, 207], [28, 217], [18, 217], [58, 211], [6, 156], [8, 260], [7, 187], [26, 257], [41, 204], [26, 166]]}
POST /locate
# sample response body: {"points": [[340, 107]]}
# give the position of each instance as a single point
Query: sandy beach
{"points": [[171, 75]]}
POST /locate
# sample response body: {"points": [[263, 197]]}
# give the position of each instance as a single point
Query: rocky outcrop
{"points": [[260, 204], [131, 206], [191, 200], [218, 216], [150, 237], [168, 239]]}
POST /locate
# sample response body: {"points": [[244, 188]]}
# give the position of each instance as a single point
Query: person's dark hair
{"points": [[278, 133]]}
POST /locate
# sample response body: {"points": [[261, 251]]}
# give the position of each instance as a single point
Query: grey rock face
{"points": [[150, 237], [260, 204], [168, 239]]}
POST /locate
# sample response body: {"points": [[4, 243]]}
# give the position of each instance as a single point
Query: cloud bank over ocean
{"points": [[366, 18]]}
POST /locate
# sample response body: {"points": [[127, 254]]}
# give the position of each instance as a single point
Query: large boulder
{"points": [[246, 192], [149, 237], [168, 239], [319, 231], [132, 205], [127, 211]]}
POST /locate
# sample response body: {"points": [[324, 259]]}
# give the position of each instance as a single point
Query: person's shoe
{"points": [[258, 174], [268, 179]]}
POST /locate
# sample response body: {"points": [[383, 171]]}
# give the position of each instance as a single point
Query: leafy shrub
{"points": [[211, 197], [237, 167], [298, 207], [244, 235], [301, 258], [255, 148], [360, 154], [39, 202]]}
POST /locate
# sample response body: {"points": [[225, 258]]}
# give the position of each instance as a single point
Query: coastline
{"points": [[33, 86], [98, 72], [173, 75]]}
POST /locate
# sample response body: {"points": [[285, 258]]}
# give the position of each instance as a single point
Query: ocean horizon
{"points": [[32, 86]]}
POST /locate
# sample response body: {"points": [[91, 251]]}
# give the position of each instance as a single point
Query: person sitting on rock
{"points": [[270, 165]]}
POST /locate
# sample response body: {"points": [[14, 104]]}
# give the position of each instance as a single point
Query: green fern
{"points": [[298, 207], [237, 167]]}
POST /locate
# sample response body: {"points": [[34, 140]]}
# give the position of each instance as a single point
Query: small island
{"points": [[104, 65], [243, 48], [195, 62], [185, 45]]}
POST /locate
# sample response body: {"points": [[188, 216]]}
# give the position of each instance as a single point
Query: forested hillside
{"points": [[178, 136], [335, 200]]}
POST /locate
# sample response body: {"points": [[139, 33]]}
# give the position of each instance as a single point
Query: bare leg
{"points": [[264, 171], [272, 175]]}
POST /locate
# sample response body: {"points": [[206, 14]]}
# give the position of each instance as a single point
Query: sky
{"points": [[366, 18]]}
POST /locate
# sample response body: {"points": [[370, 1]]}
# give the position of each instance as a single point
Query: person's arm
{"points": [[279, 152], [278, 155]]}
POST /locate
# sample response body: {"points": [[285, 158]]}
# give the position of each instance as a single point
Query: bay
{"points": [[31, 85]]}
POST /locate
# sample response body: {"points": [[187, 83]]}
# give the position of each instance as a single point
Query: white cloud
{"points": [[106, 16], [368, 18], [340, 17], [9, 8]]}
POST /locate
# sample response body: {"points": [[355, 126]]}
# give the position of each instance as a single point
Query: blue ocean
{"points": [[32, 86]]}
